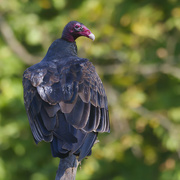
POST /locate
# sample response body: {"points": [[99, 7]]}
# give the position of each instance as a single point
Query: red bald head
{"points": [[75, 29]]}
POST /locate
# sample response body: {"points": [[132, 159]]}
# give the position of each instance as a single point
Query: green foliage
{"points": [[136, 53]]}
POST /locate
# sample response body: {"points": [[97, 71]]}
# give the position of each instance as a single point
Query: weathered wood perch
{"points": [[67, 168]]}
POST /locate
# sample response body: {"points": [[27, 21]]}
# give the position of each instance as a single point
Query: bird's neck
{"points": [[61, 48], [68, 37]]}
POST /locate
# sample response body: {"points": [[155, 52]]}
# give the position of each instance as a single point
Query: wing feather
{"points": [[49, 122], [91, 124], [76, 112], [85, 94], [66, 105]]}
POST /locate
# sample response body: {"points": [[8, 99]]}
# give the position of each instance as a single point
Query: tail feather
{"points": [[86, 147]]}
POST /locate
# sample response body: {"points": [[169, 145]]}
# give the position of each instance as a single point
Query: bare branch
{"points": [[15, 45], [145, 70], [67, 168], [164, 121]]}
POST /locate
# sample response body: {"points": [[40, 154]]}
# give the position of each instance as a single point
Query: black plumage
{"points": [[65, 99]]}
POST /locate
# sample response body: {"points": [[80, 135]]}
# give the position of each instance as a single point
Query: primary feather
{"points": [[65, 99]]}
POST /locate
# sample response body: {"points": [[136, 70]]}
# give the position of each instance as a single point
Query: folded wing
{"points": [[66, 105]]}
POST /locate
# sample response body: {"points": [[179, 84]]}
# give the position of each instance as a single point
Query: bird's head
{"points": [[75, 29]]}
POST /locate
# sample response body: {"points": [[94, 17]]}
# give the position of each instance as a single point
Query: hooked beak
{"points": [[91, 36]]}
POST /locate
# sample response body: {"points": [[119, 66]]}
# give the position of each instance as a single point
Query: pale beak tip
{"points": [[92, 36]]}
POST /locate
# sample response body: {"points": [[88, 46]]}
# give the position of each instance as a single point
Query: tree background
{"points": [[136, 53]]}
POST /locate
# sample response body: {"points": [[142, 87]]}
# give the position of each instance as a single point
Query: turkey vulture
{"points": [[64, 97]]}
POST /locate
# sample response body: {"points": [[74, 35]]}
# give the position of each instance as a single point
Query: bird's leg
{"points": [[67, 168]]}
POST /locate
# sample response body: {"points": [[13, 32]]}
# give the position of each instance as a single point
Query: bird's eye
{"points": [[77, 26]]}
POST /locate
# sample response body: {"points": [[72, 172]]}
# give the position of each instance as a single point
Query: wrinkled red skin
{"points": [[71, 33]]}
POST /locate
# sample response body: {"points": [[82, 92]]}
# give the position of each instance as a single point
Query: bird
{"points": [[64, 97]]}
